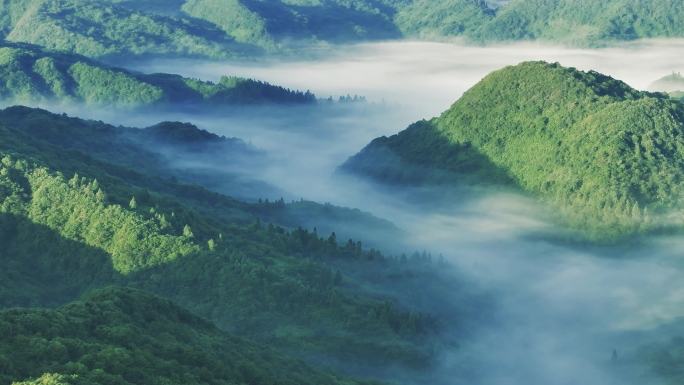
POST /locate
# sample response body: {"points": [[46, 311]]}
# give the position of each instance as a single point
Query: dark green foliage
{"points": [[609, 158], [122, 336], [42, 281], [411, 156], [32, 74]]}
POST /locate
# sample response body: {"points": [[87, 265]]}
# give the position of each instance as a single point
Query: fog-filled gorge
{"points": [[560, 310], [561, 313]]}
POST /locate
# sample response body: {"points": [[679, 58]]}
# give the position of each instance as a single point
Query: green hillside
{"points": [[608, 158], [269, 23], [103, 28], [220, 29], [437, 19], [123, 336], [208, 28], [74, 216], [573, 22], [30, 74], [585, 22]]}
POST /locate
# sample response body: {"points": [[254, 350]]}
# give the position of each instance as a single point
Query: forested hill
{"points": [[125, 337], [31, 74], [82, 208], [585, 22], [608, 158], [223, 29], [572, 22], [111, 28]]}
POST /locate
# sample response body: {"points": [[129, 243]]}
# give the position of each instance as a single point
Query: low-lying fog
{"points": [[562, 310]]}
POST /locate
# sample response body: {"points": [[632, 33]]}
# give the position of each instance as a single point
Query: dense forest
{"points": [[607, 157], [173, 255], [31, 74], [123, 336], [72, 222], [239, 28]]}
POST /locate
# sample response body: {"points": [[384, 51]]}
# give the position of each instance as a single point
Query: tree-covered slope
{"points": [[123, 336], [30, 74], [435, 19], [609, 158], [585, 21], [270, 23], [574, 22], [229, 28], [73, 221], [104, 28], [208, 28]]}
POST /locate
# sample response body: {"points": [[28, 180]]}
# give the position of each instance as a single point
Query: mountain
{"points": [[269, 24], [112, 29], [31, 74], [83, 205], [124, 336], [226, 29], [572, 22], [673, 84], [217, 29], [608, 158], [438, 19]]}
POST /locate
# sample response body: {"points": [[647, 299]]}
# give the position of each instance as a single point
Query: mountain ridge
{"points": [[32, 74], [607, 157]]}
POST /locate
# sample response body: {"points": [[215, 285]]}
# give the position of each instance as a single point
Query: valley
{"points": [[369, 192]]}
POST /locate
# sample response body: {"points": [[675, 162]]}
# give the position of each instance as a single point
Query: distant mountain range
{"points": [[673, 84], [237, 28], [30, 74]]}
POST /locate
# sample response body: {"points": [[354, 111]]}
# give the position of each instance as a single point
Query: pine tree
{"points": [[187, 232]]}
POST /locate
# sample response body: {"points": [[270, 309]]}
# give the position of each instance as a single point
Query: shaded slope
{"points": [[609, 158], [30, 74], [106, 29], [269, 24]]}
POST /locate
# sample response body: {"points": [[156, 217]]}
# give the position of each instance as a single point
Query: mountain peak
{"points": [[605, 156]]}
